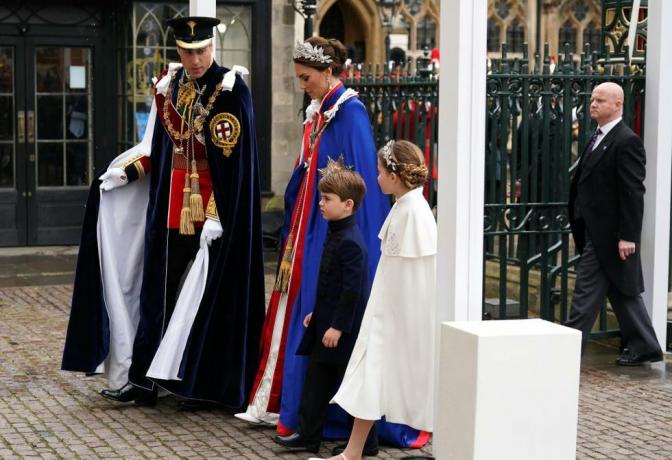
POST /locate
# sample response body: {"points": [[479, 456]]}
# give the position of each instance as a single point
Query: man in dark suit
{"points": [[606, 205]]}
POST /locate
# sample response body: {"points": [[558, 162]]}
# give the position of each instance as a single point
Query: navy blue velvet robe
{"points": [[221, 355]]}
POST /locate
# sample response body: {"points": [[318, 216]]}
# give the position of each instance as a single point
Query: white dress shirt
{"points": [[605, 130]]}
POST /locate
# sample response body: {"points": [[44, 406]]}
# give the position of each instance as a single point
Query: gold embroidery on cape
{"points": [[211, 209]]}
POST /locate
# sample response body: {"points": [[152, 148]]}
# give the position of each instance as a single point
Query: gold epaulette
{"points": [[211, 209]]}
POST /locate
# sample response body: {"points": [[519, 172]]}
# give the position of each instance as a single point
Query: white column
{"points": [[461, 160], [658, 144], [206, 8]]}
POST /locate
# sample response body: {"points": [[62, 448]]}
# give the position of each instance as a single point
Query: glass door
{"points": [[63, 117], [60, 141], [12, 144], [46, 139]]}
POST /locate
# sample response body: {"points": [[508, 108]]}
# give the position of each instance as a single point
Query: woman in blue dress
{"points": [[336, 124]]}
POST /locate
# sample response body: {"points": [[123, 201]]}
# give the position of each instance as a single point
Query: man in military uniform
{"points": [[203, 190]]}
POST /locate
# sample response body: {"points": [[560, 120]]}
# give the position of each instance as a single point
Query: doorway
{"points": [[46, 138]]}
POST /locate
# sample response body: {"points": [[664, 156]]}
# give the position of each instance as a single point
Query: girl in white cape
{"points": [[391, 371]]}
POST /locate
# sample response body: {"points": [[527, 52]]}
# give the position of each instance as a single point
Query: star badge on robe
{"points": [[224, 131]]}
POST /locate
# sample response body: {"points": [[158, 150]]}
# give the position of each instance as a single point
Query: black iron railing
{"points": [[537, 123]]}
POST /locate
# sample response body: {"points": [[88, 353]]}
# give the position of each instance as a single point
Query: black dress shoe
{"points": [[368, 451], [634, 359], [130, 392], [127, 393], [296, 441]]}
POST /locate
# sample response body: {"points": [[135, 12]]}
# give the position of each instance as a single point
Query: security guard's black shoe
{"points": [[635, 359], [296, 441]]}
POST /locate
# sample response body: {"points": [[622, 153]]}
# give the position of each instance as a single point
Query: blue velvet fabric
{"points": [[87, 341]]}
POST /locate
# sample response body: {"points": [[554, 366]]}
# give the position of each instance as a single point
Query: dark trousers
{"points": [[181, 251], [592, 288], [322, 382]]}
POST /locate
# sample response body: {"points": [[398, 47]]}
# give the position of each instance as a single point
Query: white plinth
{"points": [[507, 390]]}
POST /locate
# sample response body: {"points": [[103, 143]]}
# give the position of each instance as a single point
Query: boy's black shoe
{"points": [[368, 451], [296, 441]]}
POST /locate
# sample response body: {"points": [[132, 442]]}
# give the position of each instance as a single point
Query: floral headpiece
{"points": [[334, 166], [311, 53], [387, 156]]}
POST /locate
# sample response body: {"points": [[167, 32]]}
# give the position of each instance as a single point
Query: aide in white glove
{"points": [[212, 230], [113, 178]]}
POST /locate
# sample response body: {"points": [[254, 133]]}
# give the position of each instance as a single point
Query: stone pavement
{"points": [[48, 413]]}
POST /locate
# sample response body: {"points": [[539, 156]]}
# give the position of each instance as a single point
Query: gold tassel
{"points": [[196, 199], [186, 225], [282, 280]]}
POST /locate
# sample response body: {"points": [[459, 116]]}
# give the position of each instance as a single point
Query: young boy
{"points": [[342, 293]]}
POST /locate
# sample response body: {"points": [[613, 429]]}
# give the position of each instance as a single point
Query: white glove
{"points": [[212, 230], [113, 178]]}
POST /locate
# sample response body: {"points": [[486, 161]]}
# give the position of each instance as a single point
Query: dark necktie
{"points": [[591, 143]]}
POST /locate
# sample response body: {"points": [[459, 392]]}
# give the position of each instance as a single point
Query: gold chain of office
{"points": [[179, 135]]}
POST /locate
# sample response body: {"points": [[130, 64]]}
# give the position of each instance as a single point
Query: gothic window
{"points": [[591, 34], [515, 36], [417, 20], [580, 10], [567, 35], [149, 47], [234, 40], [493, 36], [503, 7], [413, 6], [426, 33]]}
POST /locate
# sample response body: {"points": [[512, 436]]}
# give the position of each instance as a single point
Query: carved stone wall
{"points": [[287, 99], [514, 21]]}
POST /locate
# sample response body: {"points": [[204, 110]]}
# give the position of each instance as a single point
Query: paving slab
{"points": [[48, 413]]}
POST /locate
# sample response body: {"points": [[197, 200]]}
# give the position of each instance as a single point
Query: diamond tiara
{"points": [[387, 155], [334, 166], [311, 53]]}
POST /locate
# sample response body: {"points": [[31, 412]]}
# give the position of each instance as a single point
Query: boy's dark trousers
{"points": [[321, 384]]}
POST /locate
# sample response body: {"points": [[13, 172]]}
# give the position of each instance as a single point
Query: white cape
{"points": [[391, 369], [121, 242]]}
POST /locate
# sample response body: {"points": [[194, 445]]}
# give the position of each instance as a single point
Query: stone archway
{"points": [[362, 31]]}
